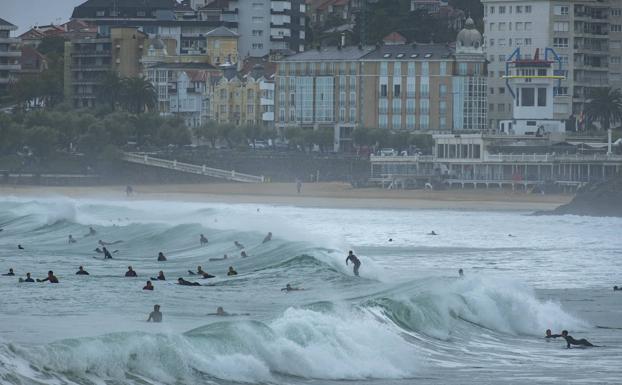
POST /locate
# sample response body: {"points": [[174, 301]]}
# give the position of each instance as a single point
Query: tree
{"points": [[324, 138], [605, 106], [42, 140], [138, 95], [110, 89], [208, 131]]}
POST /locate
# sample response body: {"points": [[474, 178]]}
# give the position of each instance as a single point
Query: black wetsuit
{"points": [[130, 273], [553, 336], [107, 254], [183, 282], [206, 275], [356, 262], [82, 272], [161, 258], [27, 280], [232, 272], [160, 278], [572, 341], [9, 274]]}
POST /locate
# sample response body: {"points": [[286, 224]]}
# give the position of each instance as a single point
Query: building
{"points": [[586, 34], [222, 46], [10, 54], [397, 86], [269, 25], [241, 98], [183, 89]]}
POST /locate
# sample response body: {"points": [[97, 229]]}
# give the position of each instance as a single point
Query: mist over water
{"points": [[407, 319]]}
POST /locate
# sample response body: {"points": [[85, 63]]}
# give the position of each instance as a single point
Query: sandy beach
{"points": [[326, 195]]}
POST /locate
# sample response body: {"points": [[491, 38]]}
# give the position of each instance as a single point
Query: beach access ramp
{"points": [[231, 175]]}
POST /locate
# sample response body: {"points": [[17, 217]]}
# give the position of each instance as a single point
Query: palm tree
{"points": [[110, 89], [605, 106], [138, 95]]}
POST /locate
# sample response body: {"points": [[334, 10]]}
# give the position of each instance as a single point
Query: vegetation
{"points": [[605, 106], [400, 140]]}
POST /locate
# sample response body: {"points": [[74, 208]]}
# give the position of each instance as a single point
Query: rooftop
{"points": [[411, 52], [222, 32], [330, 53], [4, 23]]}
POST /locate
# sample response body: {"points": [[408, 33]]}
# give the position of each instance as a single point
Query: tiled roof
{"points": [[330, 53], [411, 52], [222, 32]]}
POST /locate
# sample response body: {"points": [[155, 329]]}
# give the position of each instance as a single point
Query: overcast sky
{"points": [[27, 13]]}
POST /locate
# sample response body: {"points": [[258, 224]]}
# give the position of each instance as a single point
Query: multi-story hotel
{"points": [[9, 55], [397, 86], [586, 34]]}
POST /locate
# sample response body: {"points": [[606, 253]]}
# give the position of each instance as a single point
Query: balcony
{"points": [[91, 68], [91, 53], [10, 67], [9, 40], [10, 53]]}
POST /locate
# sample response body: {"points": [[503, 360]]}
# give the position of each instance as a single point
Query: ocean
{"points": [[408, 318]]}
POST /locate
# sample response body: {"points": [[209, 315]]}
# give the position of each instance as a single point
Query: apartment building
{"points": [[269, 25], [585, 34], [10, 54], [397, 86]]}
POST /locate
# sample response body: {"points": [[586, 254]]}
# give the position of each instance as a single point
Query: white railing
{"points": [[191, 168], [534, 158]]}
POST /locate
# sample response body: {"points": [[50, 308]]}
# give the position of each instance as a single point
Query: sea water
{"points": [[408, 318]]}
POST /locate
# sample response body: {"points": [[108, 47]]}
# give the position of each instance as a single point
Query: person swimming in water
{"points": [[268, 238], [51, 278], [27, 279], [203, 240], [432, 233], [160, 277], [243, 254], [81, 271], [70, 240], [130, 272], [238, 245], [572, 341], [201, 272], [161, 257], [155, 315], [183, 282], [222, 313], [20, 247], [219, 259], [107, 254], [357, 263], [548, 334], [11, 273], [289, 288], [615, 288], [91, 232], [231, 271], [460, 273], [148, 286]]}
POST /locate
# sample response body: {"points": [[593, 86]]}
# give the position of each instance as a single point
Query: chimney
{"points": [[343, 39]]}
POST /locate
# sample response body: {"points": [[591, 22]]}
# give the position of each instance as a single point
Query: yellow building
{"points": [[127, 50], [222, 46], [236, 97]]}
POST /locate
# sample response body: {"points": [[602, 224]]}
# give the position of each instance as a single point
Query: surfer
{"points": [[238, 245], [161, 257], [160, 277], [71, 240], [81, 271], [91, 232], [219, 259], [268, 238], [130, 272], [102, 243], [357, 263], [51, 278], [572, 341], [243, 254], [27, 279], [20, 247], [155, 315], [231, 271], [615, 288], [148, 286], [460, 273], [107, 254], [10, 273], [432, 233], [289, 288], [183, 282], [203, 240], [548, 334]]}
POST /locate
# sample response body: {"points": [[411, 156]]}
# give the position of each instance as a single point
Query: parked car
{"points": [[388, 152]]}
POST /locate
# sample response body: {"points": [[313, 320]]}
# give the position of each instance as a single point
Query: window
{"points": [[491, 107], [527, 8], [501, 90], [257, 32], [424, 106], [528, 26], [492, 42], [501, 26], [616, 12], [501, 107], [100, 13], [502, 58], [560, 91], [501, 42], [527, 97], [257, 46], [541, 97], [425, 69], [492, 10], [443, 69], [501, 9], [397, 121], [492, 27], [560, 42], [141, 14], [384, 68], [442, 90], [491, 58], [519, 9], [462, 69], [560, 10], [614, 59], [527, 41], [257, 19], [396, 91], [491, 91], [383, 91], [560, 26], [519, 26], [615, 27], [411, 68]]}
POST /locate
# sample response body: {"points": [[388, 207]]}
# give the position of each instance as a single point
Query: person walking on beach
{"points": [[298, 185], [357, 263]]}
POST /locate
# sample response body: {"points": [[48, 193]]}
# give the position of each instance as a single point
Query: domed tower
{"points": [[469, 39]]}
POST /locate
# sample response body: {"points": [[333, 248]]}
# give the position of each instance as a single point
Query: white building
{"points": [[586, 34], [10, 54], [267, 101]]}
